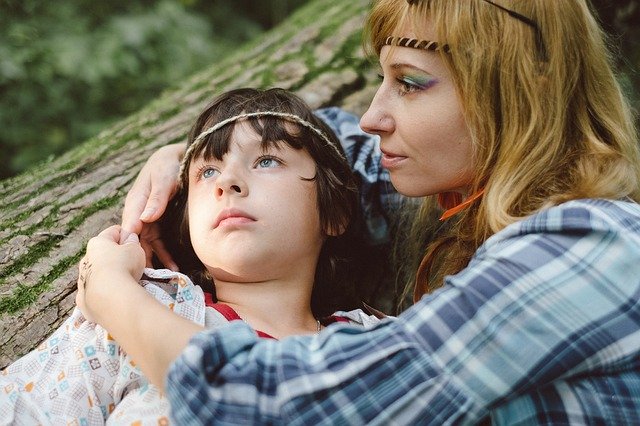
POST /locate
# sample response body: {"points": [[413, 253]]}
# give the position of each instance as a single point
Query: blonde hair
{"points": [[546, 127]]}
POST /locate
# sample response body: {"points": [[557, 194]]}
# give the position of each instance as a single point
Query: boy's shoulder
{"points": [[358, 317]]}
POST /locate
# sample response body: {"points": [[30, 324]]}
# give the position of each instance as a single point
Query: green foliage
{"points": [[621, 20], [68, 69]]}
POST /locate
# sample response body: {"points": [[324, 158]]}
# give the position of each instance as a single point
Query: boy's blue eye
{"points": [[208, 173], [268, 162]]}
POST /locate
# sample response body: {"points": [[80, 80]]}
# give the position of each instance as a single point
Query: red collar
{"points": [[231, 315]]}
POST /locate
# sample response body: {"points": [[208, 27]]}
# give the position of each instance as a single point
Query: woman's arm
{"points": [[553, 298]]}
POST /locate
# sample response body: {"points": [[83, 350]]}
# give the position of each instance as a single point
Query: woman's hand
{"points": [[107, 268], [148, 198]]}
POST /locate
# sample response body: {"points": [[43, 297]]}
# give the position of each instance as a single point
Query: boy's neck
{"points": [[277, 307]]}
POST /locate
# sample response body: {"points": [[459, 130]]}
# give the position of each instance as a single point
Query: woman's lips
{"points": [[390, 160]]}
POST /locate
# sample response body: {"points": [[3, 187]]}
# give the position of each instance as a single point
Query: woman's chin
{"points": [[410, 186]]}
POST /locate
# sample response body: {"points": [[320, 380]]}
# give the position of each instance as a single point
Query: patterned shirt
{"points": [[542, 327]]}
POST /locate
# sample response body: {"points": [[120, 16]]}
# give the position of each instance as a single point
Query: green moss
{"points": [[46, 223], [42, 248], [95, 207], [11, 222], [57, 181], [23, 296], [339, 61], [35, 252]]}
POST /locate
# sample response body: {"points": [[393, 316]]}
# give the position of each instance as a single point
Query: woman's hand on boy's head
{"points": [[106, 268], [156, 183], [147, 200]]}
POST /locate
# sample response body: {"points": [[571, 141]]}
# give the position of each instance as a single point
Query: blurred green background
{"points": [[69, 68]]}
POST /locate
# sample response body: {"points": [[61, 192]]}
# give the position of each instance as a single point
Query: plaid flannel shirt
{"points": [[542, 327]]}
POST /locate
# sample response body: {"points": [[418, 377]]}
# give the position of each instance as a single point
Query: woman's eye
{"points": [[407, 86], [268, 162], [410, 84]]}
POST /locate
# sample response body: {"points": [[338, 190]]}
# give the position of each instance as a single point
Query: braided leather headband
{"points": [[184, 166], [415, 43]]}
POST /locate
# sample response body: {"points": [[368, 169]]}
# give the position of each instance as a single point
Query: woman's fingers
{"points": [[155, 185], [83, 272], [112, 233], [163, 255], [161, 192], [148, 253], [152, 243], [134, 205]]}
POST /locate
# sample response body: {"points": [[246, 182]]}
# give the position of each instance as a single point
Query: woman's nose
{"points": [[376, 119]]}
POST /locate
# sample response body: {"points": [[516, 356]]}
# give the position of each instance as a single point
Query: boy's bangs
{"points": [[272, 132]]}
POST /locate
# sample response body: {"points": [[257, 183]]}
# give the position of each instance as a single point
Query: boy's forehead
{"points": [[242, 135], [243, 138]]}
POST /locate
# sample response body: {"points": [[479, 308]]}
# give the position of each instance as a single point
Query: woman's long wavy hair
{"points": [[547, 118], [338, 276]]}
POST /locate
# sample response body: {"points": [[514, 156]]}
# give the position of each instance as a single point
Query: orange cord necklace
{"points": [[452, 202]]}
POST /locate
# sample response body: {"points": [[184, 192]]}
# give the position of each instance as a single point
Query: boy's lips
{"points": [[232, 215], [391, 160]]}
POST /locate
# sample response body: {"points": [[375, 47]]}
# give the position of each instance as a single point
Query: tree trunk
{"points": [[48, 213]]}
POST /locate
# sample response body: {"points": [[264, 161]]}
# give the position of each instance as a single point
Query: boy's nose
{"points": [[231, 189], [231, 184]]}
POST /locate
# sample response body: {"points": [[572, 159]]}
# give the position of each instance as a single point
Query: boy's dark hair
{"points": [[342, 256]]}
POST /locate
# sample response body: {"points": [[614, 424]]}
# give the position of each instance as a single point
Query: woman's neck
{"points": [[279, 308]]}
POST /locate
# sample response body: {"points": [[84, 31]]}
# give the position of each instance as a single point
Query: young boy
{"points": [[265, 221]]}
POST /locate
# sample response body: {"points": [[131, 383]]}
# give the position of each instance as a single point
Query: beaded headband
{"points": [[415, 43], [199, 141]]}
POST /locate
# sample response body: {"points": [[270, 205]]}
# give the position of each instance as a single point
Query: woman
{"points": [[527, 301]]}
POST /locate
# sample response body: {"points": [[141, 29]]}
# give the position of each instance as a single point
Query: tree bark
{"points": [[48, 213]]}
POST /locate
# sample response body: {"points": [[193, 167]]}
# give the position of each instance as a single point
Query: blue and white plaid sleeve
{"points": [[542, 327], [379, 199]]}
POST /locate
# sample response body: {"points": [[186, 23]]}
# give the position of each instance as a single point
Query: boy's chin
{"points": [[233, 275]]}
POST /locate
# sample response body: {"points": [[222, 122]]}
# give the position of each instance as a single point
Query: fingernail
{"points": [[123, 237], [132, 238], [146, 215]]}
